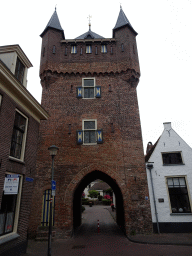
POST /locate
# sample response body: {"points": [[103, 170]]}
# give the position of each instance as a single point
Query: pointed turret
{"points": [[54, 23], [123, 21]]}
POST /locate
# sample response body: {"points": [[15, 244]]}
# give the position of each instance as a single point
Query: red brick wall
{"points": [[121, 154], [27, 168]]}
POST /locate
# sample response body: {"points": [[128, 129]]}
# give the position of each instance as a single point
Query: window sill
{"points": [[172, 164], [9, 237], [16, 160], [185, 213], [89, 98], [89, 144]]}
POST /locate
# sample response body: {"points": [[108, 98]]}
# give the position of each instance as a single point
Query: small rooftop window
{"points": [[19, 70]]}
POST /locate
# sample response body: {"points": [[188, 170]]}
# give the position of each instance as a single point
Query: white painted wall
{"points": [[169, 141]]}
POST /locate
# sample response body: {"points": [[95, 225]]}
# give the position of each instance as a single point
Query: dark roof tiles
{"points": [[122, 21], [53, 23], [89, 34]]}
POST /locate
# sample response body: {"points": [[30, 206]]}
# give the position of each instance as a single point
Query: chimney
{"points": [[167, 126], [149, 147]]}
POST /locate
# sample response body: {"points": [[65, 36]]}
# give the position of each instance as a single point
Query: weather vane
{"points": [[89, 17]]}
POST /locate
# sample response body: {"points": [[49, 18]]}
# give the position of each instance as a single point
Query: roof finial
{"points": [[120, 6], [55, 7], [89, 17]]}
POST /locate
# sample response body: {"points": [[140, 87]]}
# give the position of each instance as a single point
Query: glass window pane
{"points": [[91, 93], [9, 222], [92, 137], [20, 121], [172, 158], [176, 182], [88, 82], [170, 182], [178, 195], [86, 92], [182, 182], [86, 137], [89, 125]]}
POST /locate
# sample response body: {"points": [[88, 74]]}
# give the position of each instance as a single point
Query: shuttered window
{"points": [[89, 135], [89, 89]]}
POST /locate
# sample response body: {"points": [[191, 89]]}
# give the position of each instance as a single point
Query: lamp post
{"points": [[53, 152]]}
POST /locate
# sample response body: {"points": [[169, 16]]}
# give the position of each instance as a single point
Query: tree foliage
{"points": [[93, 193]]}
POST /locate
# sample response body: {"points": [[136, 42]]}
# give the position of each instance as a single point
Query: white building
{"points": [[170, 164]]}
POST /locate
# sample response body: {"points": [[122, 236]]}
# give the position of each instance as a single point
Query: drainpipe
{"points": [[150, 167]]}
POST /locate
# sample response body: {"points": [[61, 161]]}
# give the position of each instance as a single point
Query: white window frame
{"points": [[17, 210], [172, 152], [73, 49], [88, 49], [188, 191], [104, 48], [88, 78], [91, 120], [24, 139]]}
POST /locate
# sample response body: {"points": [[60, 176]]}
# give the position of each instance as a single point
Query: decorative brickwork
{"points": [[119, 160]]}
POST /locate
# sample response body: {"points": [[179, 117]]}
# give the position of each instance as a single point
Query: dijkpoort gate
{"points": [[89, 90]]}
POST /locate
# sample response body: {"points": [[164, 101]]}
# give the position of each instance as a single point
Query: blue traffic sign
{"points": [[53, 185]]}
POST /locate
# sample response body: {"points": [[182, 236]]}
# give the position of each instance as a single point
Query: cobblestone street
{"points": [[109, 241]]}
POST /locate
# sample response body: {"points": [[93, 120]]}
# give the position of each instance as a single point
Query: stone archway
{"points": [[120, 219], [72, 202]]}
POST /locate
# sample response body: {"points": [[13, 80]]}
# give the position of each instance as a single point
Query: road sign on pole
{"points": [[53, 185]]}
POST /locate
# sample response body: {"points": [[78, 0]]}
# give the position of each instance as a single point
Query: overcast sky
{"points": [[164, 44]]}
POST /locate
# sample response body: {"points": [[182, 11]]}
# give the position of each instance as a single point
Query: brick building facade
{"points": [[20, 116], [89, 90]]}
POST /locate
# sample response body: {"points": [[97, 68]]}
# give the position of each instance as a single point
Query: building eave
{"points": [[16, 48], [94, 40], [14, 89]]}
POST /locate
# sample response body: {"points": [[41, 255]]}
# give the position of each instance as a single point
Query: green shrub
{"points": [[85, 201], [93, 193], [82, 208], [106, 202]]}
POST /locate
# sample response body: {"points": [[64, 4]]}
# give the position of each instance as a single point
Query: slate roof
{"points": [[123, 21], [53, 23], [100, 186], [89, 34]]}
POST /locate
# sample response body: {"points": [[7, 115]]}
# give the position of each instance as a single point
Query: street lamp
{"points": [[53, 152]]}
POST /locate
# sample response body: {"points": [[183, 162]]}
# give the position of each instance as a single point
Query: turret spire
{"points": [[123, 21], [53, 23]]}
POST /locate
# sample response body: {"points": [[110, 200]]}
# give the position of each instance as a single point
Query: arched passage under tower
{"points": [[87, 179]]}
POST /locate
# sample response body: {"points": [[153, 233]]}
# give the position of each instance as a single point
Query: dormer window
{"points": [[88, 49], [104, 48], [73, 49], [19, 70]]}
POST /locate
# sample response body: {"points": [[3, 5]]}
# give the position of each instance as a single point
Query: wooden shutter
{"points": [[79, 137], [79, 92], [98, 91], [99, 136]]}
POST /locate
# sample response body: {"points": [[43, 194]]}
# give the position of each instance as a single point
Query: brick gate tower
{"points": [[89, 89]]}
